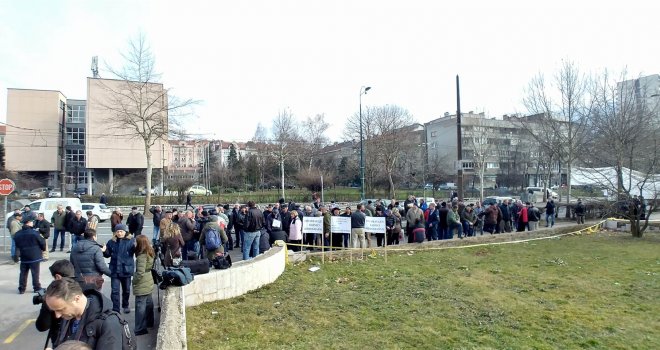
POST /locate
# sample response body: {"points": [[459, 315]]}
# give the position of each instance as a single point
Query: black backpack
{"points": [[128, 341]]}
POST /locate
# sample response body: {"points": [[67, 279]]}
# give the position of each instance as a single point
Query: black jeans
{"points": [[22, 277]]}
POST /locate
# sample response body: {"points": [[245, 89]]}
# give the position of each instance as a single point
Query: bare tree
{"points": [[562, 110], [622, 149], [482, 142], [285, 136], [313, 136], [386, 135], [140, 105]]}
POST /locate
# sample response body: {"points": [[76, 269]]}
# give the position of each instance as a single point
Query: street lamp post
{"points": [[363, 91]]}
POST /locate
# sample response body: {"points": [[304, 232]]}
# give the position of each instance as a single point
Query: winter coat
{"points": [[59, 220], [442, 213], [29, 216], [135, 223], [115, 219], [295, 229], [158, 215], [14, 227], [506, 214], [187, 227], [87, 259], [172, 249], [433, 218], [550, 208], [31, 245], [77, 227], [143, 283], [453, 218], [43, 227], [100, 335], [68, 217], [490, 215], [121, 252], [264, 241], [210, 254]]}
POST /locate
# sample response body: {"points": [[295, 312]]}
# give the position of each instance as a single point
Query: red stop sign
{"points": [[6, 187]]}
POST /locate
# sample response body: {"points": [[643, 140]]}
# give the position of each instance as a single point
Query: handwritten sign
{"points": [[313, 224], [374, 224], [340, 224]]}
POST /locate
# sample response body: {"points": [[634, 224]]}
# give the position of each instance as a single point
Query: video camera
{"points": [[39, 297]]}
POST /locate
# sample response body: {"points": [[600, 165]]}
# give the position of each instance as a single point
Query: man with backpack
{"points": [[87, 316], [213, 238]]}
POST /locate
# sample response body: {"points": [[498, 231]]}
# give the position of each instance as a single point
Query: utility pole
{"points": [[459, 140], [63, 148]]}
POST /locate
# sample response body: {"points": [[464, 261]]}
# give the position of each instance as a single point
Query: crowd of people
{"points": [[73, 303]]}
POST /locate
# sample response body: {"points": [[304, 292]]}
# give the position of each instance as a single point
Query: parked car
{"points": [[80, 191], [54, 194], [447, 186], [48, 205], [101, 211], [488, 201], [199, 190], [41, 192], [154, 192]]}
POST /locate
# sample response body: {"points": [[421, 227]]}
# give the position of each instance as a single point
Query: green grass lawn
{"points": [[598, 291]]}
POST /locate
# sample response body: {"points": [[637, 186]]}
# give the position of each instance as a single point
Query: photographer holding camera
{"points": [[46, 321]]}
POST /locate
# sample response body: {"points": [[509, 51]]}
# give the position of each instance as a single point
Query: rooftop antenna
{"points": [[95, 67]]}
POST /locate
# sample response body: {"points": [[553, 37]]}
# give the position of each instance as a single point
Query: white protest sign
{"points": [[312, 224], [277, 223], [374, 224], [340, 224]]}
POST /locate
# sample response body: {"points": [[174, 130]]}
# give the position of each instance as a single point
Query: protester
{"points": [[550, 213], [171, 241], [580, 210], [14, 226], [135, 222], [295, 231], [46, 321], [43, 227], [31, 246], [88, 262], [121, 249], [80, 313], [58, 220], [143, 285], [254, 222]]}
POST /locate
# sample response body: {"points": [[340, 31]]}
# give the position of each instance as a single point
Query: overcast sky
{"points": [[247, 60]]}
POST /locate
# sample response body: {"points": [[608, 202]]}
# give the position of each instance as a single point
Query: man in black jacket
{"points": [[77, 227], [135, 222], [254, 222], [46, 321], [32, 247], [43, 226], [82, 315], [157, 212]]}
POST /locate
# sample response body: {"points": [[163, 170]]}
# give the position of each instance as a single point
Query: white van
{"points": [[48, 206]]}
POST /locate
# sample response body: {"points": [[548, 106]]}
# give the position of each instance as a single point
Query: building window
{"points": [[75, 136], [434, 133], [468, 165], [75, 114], [75, 157], [490, 165]]}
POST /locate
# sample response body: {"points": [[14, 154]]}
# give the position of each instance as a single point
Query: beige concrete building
{"points": [[46, 131], [110, 145], [33, 140]]}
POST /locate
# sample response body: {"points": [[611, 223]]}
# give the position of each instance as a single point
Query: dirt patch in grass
{"points": [[591, 291]]}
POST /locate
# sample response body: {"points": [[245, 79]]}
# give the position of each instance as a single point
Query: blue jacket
{"points": [[87, 259], [121, 253], [31, 244]]}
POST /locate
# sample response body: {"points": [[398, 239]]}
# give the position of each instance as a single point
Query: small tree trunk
{"points": [[147, 197]]}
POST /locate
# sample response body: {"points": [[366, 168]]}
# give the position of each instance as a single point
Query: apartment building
{"points": [[501, 147]]}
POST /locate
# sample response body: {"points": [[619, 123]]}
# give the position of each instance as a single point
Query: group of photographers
{"points": [[74, 311]]}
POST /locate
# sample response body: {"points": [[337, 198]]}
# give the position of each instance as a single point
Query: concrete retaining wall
{"points": [[242, 277]]}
